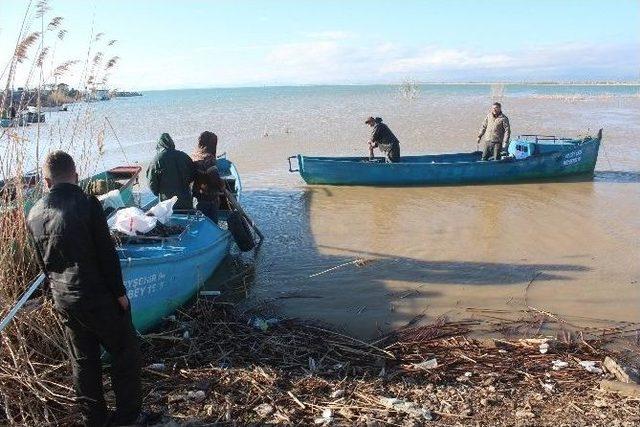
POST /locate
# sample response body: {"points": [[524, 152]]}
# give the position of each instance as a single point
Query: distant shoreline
{"points": [[589, 84]]}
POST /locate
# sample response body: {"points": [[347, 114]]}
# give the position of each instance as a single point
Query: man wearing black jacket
{"points": [[75, 251]]}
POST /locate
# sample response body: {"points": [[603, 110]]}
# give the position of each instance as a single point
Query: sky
{"points": [[218, 43]]}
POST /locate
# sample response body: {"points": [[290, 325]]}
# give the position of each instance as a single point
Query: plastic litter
{"points": [[163, 210], [327, 417], [559, 364], [544, 348], [131, 221], [112, 200], [262, 324], [590, 366], [263, 409], [337, 394], [410, 408], [157, 366], [198, 396], [427, 364]]}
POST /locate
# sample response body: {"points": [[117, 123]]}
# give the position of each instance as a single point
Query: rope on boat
{"points": [[117, 139]]}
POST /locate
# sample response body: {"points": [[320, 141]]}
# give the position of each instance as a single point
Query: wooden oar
{"points": [[236, 205], [23, 299]]}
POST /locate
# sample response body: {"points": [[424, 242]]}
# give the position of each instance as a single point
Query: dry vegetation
{"points": [[34, 375]]}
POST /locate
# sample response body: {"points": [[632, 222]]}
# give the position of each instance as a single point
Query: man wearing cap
{"points": [[495, 132], [384, 139]]}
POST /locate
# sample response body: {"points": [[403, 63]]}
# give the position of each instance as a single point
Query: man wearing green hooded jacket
{"points": [[171, 172]]}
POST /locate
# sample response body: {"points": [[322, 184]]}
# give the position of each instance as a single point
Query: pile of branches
{"points": [[215, 365], [212, 363]]}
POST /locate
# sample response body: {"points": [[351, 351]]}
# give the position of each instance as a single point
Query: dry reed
{"points": [[34, 375]]}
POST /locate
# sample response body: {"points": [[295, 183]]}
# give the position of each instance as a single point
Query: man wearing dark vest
{"points": [[384, 139]]}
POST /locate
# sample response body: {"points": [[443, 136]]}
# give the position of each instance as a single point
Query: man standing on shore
{"points": [[75, 251], [171, 172], [495, 132]]}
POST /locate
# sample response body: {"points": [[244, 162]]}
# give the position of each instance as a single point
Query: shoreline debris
{"points": [[297, 372]]}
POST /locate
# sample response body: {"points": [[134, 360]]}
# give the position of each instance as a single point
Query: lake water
{"points": [[429, 251]]}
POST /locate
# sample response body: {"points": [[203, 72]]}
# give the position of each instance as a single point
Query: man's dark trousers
{"points": [[109, 326], [491, 150]]}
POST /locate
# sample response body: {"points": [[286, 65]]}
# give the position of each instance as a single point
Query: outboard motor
{"points": [[521, 149]]}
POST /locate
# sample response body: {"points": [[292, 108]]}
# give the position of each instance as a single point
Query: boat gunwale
{"points": [[401, 163], [171, 256]]}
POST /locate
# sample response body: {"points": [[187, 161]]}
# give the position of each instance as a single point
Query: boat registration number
{"points": [[572, 158], [144, 285]]}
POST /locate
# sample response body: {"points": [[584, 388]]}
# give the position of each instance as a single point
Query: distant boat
{"points": [[532, 158], [18, 121], [50, 109], [33, 117]]}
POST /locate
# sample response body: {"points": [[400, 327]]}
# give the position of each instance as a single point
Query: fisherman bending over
{"points": [[384, 139], [495, 133], [170, 173], [76, 253], [207, 186]]}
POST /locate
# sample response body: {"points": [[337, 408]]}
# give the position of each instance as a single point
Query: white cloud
{"points": [[330, 35], [443, 59]]}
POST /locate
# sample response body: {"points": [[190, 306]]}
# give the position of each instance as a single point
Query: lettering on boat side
{"points": [[145, 285], [572, 158]]}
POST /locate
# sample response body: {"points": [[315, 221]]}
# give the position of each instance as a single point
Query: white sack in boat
{"points": [[163, 210], [131, 221], [112, 199]]}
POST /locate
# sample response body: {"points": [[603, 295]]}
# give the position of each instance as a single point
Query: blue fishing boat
{"points": [[162, 274], [531, 158]]}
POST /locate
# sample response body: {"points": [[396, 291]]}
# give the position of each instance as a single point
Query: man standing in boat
{"points": [[495, 132], [171, 172], [75, 251], [384, 139]]}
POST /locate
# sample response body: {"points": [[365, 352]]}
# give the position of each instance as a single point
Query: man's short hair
{"points": [[497, 104], [58, 165]]}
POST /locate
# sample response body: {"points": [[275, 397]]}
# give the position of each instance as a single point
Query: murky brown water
{"points": [[442, 250]]}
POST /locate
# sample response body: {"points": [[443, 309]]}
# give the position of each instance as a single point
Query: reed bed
{"points": [[35, 384]]}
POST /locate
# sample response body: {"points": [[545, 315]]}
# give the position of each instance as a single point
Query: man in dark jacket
{"points": [[170, 173], [495, 132], [75, 251], [384, 139]]}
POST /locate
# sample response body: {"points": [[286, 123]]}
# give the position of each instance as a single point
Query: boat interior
{"points": [[113, 179], [522, 147]]}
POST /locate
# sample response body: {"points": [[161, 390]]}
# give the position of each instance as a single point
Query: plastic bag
{"points": [[131, 221], [112, 200], [163, 210]]}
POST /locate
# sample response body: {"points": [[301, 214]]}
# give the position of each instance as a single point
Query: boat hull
{"points": [[451, 169], [162, 277]]}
